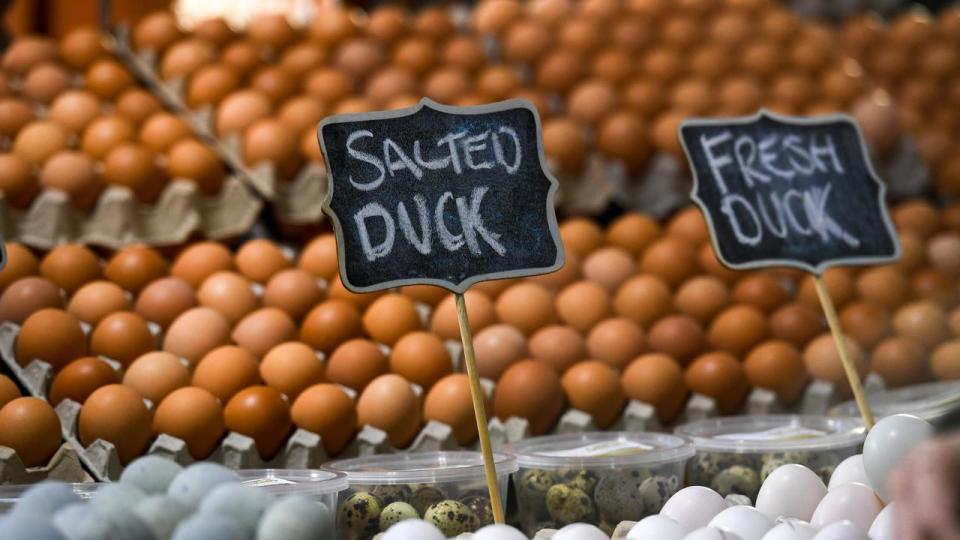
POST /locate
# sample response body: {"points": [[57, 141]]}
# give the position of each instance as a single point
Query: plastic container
{"points": [[735, 454], [934, 402], [445, 488], [10, 494], [598, 478], [319, 485]]}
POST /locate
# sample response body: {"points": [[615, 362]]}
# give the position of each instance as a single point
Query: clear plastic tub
{"points": [[446, 488], [11, 493], [600, 478], [934, 402], [319, 485], [735, 454]]}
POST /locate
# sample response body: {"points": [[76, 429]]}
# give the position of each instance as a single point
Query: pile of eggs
{"points": [[73, 119], [259, 342], [156, 499], [914, 58]]}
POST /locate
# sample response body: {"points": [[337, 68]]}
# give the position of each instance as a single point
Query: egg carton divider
{"points": [[64, 466]]}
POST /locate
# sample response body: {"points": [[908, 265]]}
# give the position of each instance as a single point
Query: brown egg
{"points": [[612, 137], [185, 57], [465, 53], [450, 402], [27, 51], [761, 58], [107, 78], [69, 266], [866, 322], [39, 140], [310, 146], [901, 361], [583, 304], [737, 329], [74, 109], [677, 336], [389, 82], [884, 285], [918, 217], [8, 390], [301, 58], [226, 370], [105, 133], [215, 30], [355, 363], [291, 367], [559, 346], [201, 260], [44, 82], [14, 115], [389, 403], [155, 375], [777, 366], [924, 321], [943, 251], [210, 84], [594, 388], [492, 16], [424, 294], [137, 105], [17, 181], [26, 296], [663, 64], [877, 118], [81, 47], [497, 347], [192, 160], [693, 96], [564, 144], [328, 85], [688, 224], [935, 285], [358, 57], [134, 266], [581, 236], [421, 358], [763, 291], [388, 23], [718, 375], [303, 112], [567, 274], [263, 329], [96, 300], [496, 83], [31, 429], [272, 141], [671, 259], [78, 379], [656, 379], [525, 41], [325, 409], [183, 339], [480, 312], [632, 232], [415, 54], [261, 413], [260, 259], [193, 415], [116, 414], [329, 324], [529, 389], [122, 336], [20, 263], [643, 299], [616, 342], [526, 306], [294, 291], [912, 252], [702, 297], [271, 30], [446, 84], [136, 167], [644, 97], [945, 361], [609, 266], [156, 31], [560, 70], [162, 130], [319, 257], [275, 83], [839, 283], [823, 361], [229, 293], [75, 174], [434, 22], [332, 24], [580, 34], [240, 110], [390, 317]]}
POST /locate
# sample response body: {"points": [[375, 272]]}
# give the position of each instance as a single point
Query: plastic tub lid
{"points": [[294, 481], [931, 401], [600, 450], [774, 432], [420, 467]]}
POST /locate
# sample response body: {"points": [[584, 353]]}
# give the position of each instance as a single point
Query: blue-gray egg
{"points": [[117, 496], [199, 479], [244, 504], [152, 474], [80, 521], [162, 514], [296, 518], [46, 498], [27, 526], [209, 527]]}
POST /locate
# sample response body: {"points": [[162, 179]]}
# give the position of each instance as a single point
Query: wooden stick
{"points": [[852, 376], [476, 392]]}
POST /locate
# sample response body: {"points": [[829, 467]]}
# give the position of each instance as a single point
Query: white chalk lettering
{"points": [[402, 162], [769, 158], [433, 165], [717, 162], [472, 145], [498, 149], [791, 143], [778, 231], [473, 223], [746, 152], [450, 241], [727, 207], [366, 158], [422, 243], [451, 141], [826, 149], [371, 210]]}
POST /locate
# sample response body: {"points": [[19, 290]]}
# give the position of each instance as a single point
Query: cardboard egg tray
{"points": [[295, 202]]}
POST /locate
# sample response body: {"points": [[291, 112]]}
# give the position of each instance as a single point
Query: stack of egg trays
{"points": [[295, 202], [119, 219]]}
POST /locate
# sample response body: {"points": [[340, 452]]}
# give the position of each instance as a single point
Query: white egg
{"points": [[791, 529], [660, 527], [884, 527], [890, 440], [413, 529], [849, 502], [499, 532], [579, 531], [791, 491], [711, 533], [841, 530], [693, 507], [745, 521], [849, 471]]}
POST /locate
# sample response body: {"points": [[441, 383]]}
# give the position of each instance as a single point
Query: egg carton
{"points": [[119, 218], [63, 466]]}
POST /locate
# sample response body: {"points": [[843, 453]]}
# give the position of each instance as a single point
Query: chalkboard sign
{"points": [[3, 253], [787, 191], [440, 195]]}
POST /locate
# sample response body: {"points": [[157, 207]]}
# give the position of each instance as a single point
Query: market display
{"points": [[180, 358]]}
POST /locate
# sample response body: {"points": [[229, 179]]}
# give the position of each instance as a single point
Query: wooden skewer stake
{"points": [[476, 392], [852, 376]]}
